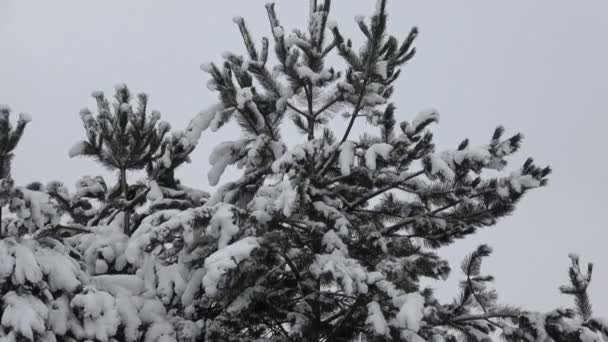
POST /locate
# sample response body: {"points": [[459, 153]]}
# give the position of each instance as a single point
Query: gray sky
{"points": [[538, 67]]}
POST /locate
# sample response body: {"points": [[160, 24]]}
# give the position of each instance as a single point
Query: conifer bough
{"points": [[326, 240]]}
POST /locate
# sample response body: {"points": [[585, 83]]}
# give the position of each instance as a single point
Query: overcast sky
{"points": [[538, 67]]}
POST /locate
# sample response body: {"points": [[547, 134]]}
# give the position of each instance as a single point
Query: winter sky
{"points": [[538, 67]]}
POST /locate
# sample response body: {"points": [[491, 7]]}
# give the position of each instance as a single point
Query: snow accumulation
{"points": [[424, 116], [104, 246], [331, 241], [223, 224], [347, 156], [100, 316], [315, 78], [155, 227], [410, 306], [411, 312], [224, 260], [279, 197], [120, 87], [348, 273], [78, 149], [222, 156], [381, 69], [25, 314], [61, 271], [376, 319], [26, 266], [287, 198], [243, 96], [440, 168], [297, 154], [25, 117], [207, 67], [278, 31], [88, 186], [332, 24], [372, 99], [155, 193], [341, 223], [199, 124], [377, 150]]}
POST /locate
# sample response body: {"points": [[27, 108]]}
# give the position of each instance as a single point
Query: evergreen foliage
{"points": [[327, 240], [121, 138]]}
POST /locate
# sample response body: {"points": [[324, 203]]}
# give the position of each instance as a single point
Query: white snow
{"points": [[125, 107], [331, 241], [377, 150], [26, 266], [350, 276], [220, 158], [381, 69], [120, 87], [156, 227], [223, 225], [519, 182], [315, 78], [411, 312], [372, 99], [171, 283], [332, 24], [7, 262], [100, 318], [424, 116], [25, 314], [278, 31], [410, 336], [62, 272], [243, 96], [347, 155], [287, 199], [207, 67], [224, 260], [375, 318], [193, 286], [25, 117], [440, 168], [127, 311], [155, 193], [89, 186], [97, 94], [78, 149], [200, 123]]}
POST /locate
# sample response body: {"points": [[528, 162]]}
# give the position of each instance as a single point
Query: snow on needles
{"points": [[224, 260], [347, 155], [377, 150]]}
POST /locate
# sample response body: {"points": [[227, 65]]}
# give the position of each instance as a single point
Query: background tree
{"points": [[9, 138], [121, 138]]}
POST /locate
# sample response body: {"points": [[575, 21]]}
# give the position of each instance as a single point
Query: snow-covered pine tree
{"points": [[9, 138], [327, 240], [576, 324], [122, 138], [62, 281]]}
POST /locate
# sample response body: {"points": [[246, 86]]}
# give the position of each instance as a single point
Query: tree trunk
{"points": [[124, 188]]}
